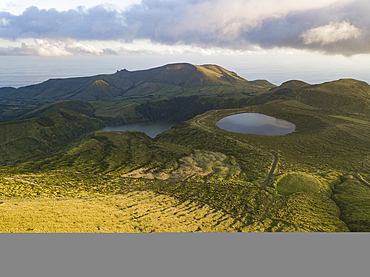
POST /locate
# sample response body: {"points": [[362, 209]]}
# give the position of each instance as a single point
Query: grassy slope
{"points": [[119, 213], [252, 209], [291, 183], [304, 209], [311, 201], [253, 162], [319, 142], [113, 153], [345, 95], [40, 136], [322, 138], [81, 107], [353, 198]]}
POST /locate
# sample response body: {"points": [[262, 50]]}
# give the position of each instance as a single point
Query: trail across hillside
{"points": [[264, 150]]}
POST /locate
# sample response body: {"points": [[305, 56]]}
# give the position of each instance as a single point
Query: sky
{"points": [[335, 34]]}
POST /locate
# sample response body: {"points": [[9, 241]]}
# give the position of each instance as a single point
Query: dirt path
{"points": [[264, 150]]}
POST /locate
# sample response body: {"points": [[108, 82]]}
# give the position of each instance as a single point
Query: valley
{"points": [[60, 174]]}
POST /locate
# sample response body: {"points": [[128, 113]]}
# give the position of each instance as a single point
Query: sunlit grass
{"points": [[300, 182], [130, 213]]}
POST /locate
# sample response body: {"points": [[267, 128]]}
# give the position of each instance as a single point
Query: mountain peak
{"points": [[177, 66]]}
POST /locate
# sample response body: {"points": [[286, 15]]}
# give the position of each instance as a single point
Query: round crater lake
{"points": [[151, 129], [256, 124]]}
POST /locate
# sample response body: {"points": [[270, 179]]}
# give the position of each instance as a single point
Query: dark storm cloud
{"points": [[329, 26]]}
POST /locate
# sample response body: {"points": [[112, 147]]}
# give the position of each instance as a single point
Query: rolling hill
{"points": [[113, 153], [43, 135], [171, 80], [346, 95]]}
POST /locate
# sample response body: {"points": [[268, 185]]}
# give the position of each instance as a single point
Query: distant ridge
{"points": [[347, 95], [153, 93], [171, 80]]}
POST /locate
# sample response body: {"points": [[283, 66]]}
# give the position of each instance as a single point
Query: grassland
{"points": [[199, 163], [111, 153], [311, 166], [42, 136], [291, 183], [353, 119], [188, 179], [306, 193], [62, 202], [353, 198], [134, 212], [48, 192], [318, 143], [302, 197]]}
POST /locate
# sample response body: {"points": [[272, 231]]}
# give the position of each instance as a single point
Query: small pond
{"points": [[151, 129], [255, 123]]}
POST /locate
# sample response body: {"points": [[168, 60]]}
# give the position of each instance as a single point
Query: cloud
{"points": [[333, 32], [341, 30], [98, 22], [206, 22], [53, 48], [329, 26]]}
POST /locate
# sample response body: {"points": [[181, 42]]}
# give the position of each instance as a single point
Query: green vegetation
{"points": [[300, 182], [199, 163], [319, 142], [79, 107], [253, 162], [169, 80], [131, 213], [353, 199], [242, 206], [296, 104], [306, 212], [113, 153], [345, 95], [42, 136], [56, 178], [212, 162], [352, 119]]}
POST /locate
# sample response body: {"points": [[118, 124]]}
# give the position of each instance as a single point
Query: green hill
{"points": [[293, 84], [346, 95], [170, 80], [113, 152], [42, 136], [81, 107]]}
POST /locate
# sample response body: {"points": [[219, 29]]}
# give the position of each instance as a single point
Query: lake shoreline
{"points": [[255, 124], [151, 129]]}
